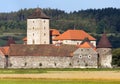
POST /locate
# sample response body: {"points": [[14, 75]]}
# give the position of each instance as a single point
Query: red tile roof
{"points": [[74, 35], [1, 52], [87, 45], [41, 50], [5, 50], [54, 32], [104, 42], [25, 39]]}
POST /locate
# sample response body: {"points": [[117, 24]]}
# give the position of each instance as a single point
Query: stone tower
{"points": [[104, 52], [38, 28]]}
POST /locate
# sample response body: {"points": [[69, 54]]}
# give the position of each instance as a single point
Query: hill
{"points": [[94, 21], [91, 20]]}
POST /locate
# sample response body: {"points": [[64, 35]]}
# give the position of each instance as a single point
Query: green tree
{"points": [[116, 57]]}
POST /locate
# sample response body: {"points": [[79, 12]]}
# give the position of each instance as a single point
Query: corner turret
{"points": [[104, 49]]}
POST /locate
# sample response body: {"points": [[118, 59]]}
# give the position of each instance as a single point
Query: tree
{"points": [[116, 57]]}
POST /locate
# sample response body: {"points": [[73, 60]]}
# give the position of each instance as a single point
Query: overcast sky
{"points": [[67, 5]]}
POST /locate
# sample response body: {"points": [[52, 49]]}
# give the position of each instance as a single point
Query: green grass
{"points": [[48, 81], [21, 71], [36, 71]]}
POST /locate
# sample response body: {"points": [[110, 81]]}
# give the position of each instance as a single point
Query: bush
{"points": [[116, 57]]}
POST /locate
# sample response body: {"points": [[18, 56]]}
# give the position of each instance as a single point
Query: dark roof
{"points": [[41, 50], [104, 42], [38, 13], [10, 41]]}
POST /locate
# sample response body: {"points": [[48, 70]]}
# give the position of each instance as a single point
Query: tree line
{"points": [[91, 20]]}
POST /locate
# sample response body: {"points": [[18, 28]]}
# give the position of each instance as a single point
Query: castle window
{"points": [[33, 42], [10, 64], [87, 49], [55, 64], [33, 21], [44, 42], [70, 64], [44, 21], [81, 49], [33, 27], [25, 64], [89, 56], [33, 34], [104, 50], [80, 56], [44, 28], [40, 64], [44, 34]]}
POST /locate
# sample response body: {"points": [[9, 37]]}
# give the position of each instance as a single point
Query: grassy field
{"points": [[36, 71], [59, 76], [46, 81]]}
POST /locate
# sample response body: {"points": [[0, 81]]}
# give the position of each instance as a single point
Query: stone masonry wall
{"points": [[2, 61], [105, 57], [85, 58], [39, 62]]}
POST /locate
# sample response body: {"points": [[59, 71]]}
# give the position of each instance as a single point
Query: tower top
{"points": [[38, 13], [10, 41], [104, 42]]}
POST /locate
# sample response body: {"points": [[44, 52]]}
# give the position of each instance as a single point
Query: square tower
{"points": [[38, 28]]}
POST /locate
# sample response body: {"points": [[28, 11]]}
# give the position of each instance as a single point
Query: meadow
{"points": [[47, 81], [60, 76], [43, 70]]}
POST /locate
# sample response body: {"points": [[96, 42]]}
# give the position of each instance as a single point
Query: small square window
{"points": [[80, 56], [81, 49], [44, 21]]}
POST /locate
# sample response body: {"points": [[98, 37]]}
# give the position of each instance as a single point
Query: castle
{"points": [[47, 48]]}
